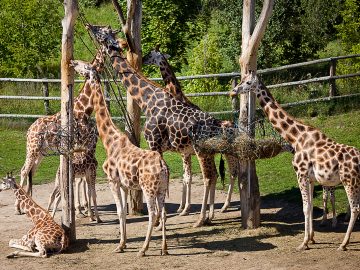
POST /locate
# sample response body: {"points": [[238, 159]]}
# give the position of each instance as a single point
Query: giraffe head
{"points": [[105, 36], [8, 182], [85, 69], [155, 57], [249, 83]]}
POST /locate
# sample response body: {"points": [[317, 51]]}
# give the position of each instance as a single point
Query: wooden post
{"points": [[332, 82], [251, 37], [67, 82], [135, 59], [45, 89]]}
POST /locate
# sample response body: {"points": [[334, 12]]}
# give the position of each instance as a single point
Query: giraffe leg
{"points": [[233, 168], [115, 189], [208, 168], [332, 200], [305, 194], [354, 203], [324, 200], [187, 179], [55, 194], [161, 207], [211, 202], [311, 219], [78, 212], [150, 201], [92, 191], [85, 203]]}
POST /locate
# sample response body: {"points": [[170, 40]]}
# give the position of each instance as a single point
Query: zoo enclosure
{"points": [[331, 79]]}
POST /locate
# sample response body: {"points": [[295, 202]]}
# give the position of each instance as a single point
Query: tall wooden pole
{"points": [[135, 58], [131, 26], [251, 37], [67, 83]]}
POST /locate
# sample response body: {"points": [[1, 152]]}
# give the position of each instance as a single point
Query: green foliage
{"points": [[30, 34]]}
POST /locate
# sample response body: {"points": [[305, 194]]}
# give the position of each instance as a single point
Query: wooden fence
{"points": [[331, 78]]}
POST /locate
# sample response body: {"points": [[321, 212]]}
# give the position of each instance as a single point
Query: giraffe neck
{"points": [[142, 90], [288, 127], [172, 84], [105, 125], [31, 209], [82, 105]]}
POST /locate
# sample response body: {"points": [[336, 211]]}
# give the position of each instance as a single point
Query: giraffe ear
{"points": [[167, 56], [123, 43]]}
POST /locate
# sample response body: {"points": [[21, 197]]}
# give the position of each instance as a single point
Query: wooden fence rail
{"points": [[233, 75]]}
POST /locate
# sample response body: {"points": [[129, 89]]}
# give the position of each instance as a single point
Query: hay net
{"points": [[236, 142], [55, 139]]}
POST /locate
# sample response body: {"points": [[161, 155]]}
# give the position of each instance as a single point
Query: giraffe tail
{"points": [[165, 175]]}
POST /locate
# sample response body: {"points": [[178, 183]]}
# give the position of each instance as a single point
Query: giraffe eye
{"points": [[248, 83]]}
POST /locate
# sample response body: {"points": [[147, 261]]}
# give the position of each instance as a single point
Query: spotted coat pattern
{"points": [[128, 166], [172, 85], [317, 157], [46, 235]]}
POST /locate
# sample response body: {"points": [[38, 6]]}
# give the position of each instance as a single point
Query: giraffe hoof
{"points": [[199, 223], [223, 209], [141, 253], [119, 249], [11, 255], [98, 220], [302, 247], [208, 222], [164, 253], [342, 248], [184, 213]]}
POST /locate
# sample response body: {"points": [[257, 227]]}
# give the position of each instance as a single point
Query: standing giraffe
{"points": [[316, 157], [128, 166], [172, 85], [327, 190], [48, 126], [169, 121], [45, 236]]}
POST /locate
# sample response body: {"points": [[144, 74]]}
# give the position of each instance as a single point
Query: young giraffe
{"points": [[84, 165], [316, 157], [172, 84], [48, 125], [45, 236], [128, 166], [168, 120]]}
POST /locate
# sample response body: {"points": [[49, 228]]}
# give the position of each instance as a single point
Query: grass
{"points": [[276, 176]]}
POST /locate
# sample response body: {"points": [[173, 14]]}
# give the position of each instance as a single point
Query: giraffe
{"points": [[316, 157], [49, 125], [84, 165], [128, 166], [46, 235], [169, 121], [172, 85], [329, 190]]}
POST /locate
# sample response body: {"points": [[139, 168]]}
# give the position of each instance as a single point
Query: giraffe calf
{"points": [[46, 235]]}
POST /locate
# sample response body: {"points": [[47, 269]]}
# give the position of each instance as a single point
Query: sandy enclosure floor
{"points": [[220, 245]]}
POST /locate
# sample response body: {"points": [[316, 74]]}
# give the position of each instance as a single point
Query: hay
{"points": [[241, 146]]}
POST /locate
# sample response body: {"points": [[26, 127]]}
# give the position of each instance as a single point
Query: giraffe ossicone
{"points": [[317, 157]]}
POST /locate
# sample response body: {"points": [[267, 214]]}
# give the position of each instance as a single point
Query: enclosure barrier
{"points": [[234, 75]]}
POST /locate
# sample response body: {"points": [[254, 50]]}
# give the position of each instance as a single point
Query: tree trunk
{"points": [[251, 37], [67, 82], [135, 58]]}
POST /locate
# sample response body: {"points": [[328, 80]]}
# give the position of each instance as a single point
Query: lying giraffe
{"points": [[46, 235], [168, 121], [172, 85], [49, 125], [128, 166], [317, 157]]}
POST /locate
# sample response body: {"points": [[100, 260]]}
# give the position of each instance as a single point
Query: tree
{"points": [[30, 33]]}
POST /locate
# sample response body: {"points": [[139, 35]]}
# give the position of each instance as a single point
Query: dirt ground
{"points": [[221, 245]]}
